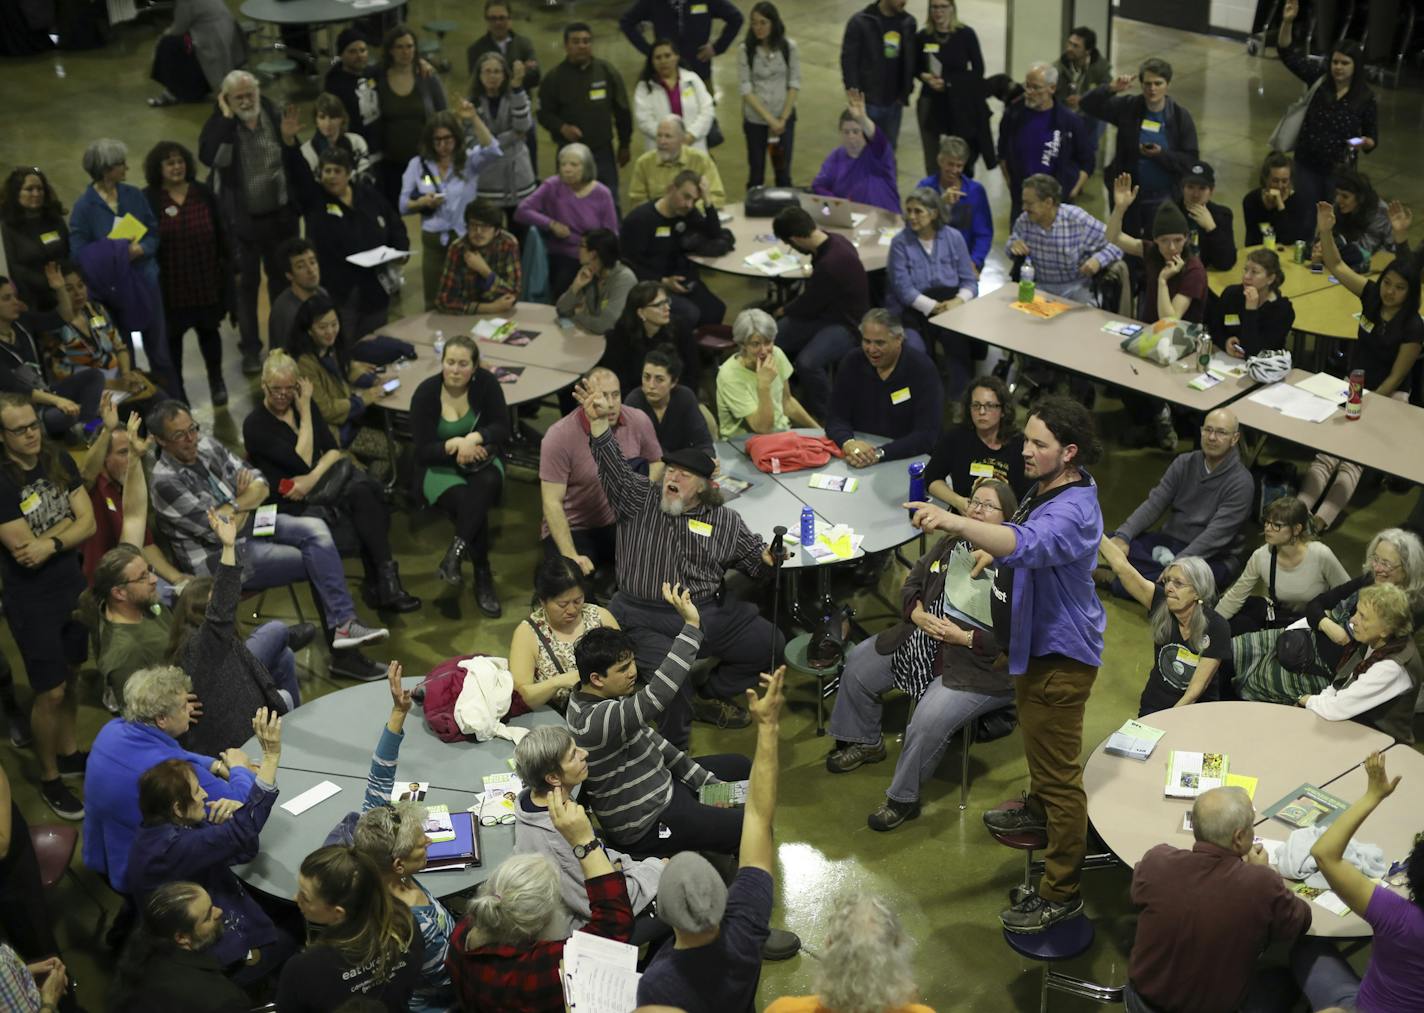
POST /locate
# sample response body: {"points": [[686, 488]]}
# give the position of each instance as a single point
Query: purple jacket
{"points": [[869, 178], [130, 291], [1055, 608]]}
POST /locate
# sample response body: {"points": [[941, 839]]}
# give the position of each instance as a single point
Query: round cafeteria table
{"points": [[553, 360], [1283, 747], [332, 739], [753, 234], [1297, 280], [315, 12]]}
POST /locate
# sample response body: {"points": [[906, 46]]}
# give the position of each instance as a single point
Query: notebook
{"points": [[459, 853]]}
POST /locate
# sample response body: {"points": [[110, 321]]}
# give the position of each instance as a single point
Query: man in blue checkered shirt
{"points": [[196, 473], [1066, 245]]}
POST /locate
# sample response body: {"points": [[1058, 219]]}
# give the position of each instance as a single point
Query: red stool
{"points": [[1028, 842], [54, 845]]}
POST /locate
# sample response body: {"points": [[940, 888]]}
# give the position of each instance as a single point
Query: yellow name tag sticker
{"points": [[934, 567], [30, 503], [108, 502], [1366, 325], [931, 47], [597, 94], [1152, 126], [334, 209], [428, 181], [900, 396], [1186, 657], [49, 237], [697, 9], [1231, 320], [663, 231], [981, 469], [699, 528]]}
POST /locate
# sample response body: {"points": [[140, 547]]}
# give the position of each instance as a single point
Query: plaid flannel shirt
{"points": [[461, 289], [18, 992], [1059, 252], [181, 495], [525, 979]]}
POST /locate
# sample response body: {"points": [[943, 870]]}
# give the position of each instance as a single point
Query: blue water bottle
{"points": [[917, 483], [808, 526]]}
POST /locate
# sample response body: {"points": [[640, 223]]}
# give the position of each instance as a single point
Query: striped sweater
{"points": [[631, 766]]}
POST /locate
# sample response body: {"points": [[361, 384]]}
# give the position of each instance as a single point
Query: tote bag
{"points": [[1287, 131]]}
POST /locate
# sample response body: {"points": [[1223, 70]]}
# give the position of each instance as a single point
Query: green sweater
{"points": [[592, 98], [124, 648]]}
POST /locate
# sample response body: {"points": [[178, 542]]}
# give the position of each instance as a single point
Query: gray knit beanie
{"points": [[691, 895]]}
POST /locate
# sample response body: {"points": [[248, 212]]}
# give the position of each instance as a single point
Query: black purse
{"points": [[1295, 650], [330, 490]]}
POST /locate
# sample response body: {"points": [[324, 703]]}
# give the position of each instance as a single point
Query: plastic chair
{"points": [[828, 679], [1063, 941], [430, 48], [54, 845]]}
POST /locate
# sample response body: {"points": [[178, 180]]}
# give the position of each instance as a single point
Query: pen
{"points": [[1134, 369]]}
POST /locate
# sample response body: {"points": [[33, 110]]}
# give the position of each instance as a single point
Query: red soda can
{"points": [[1355, 403]]}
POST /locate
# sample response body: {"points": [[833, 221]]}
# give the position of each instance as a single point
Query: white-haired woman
{"points": [[392, 835], [930, 272], [1271, 670], [1189, 640], [498, 958], [157, 710], [548, 758], [1377, 681], [753, 392], [565, 207], [865, 967]]}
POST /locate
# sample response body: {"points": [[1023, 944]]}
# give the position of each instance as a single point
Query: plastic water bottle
{"points": [[808, 526], [917, 484], [1026, 285], [440, 346]]}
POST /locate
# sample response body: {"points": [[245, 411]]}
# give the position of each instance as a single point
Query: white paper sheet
{"points": [[378, 255], [1323, 385], [310, 797], [1294, 402], [600, 975]]}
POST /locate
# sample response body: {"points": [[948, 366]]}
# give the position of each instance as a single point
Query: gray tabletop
{"points": [[766, 504], [1075, 340], [288, 839], [753, 234], [314, 12], [337, 733], [873, 510]]}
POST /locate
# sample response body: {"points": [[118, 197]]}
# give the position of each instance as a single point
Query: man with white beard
{"points": [[676, 531], [655, 170], [242, 144]]}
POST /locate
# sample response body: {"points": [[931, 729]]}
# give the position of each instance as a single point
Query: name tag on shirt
{"points": [[49, 237], [598, 91], [98, 322], [1186, 657], [981, 469], [1366, 325], [697, 9], [1231, 320], [663, 232], [699, 528], [110, 504], [1151, 126], [334, 209], [931, 47], [30, 503], [934, 567], [900, 396]]}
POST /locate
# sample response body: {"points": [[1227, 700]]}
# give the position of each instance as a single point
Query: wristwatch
{"points": [[582, 851], [879, 454], [58, 545]]}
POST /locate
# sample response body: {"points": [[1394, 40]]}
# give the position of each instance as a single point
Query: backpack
{"points": [[439, 691]]}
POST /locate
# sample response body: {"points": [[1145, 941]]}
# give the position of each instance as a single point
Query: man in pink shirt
{"points": [[578, 522]]}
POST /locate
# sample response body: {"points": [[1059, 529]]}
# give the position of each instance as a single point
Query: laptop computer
{"points": [[827, 211]]}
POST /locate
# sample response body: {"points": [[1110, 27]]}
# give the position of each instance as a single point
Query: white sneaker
{"points": [[352, 634]]}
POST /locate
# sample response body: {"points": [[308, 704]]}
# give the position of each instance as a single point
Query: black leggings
{"points": [[371, 519], [180, 321], [468, 507]]}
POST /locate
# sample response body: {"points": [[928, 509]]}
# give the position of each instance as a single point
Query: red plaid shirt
{"points": [[188, 253], [525, 979], [461, 289]]}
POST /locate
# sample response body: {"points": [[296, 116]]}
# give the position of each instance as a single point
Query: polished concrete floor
{"points": [[942, 872]]}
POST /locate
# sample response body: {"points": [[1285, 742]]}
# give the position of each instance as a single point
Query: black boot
{"points": [[218, 387], [449, 568], [389, 593], [486, 596]]}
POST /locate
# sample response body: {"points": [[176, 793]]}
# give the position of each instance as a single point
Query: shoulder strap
{"points": [[548, 647]]}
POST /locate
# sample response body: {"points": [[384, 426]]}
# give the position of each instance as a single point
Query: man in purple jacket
{"points": [[1046, 611]]}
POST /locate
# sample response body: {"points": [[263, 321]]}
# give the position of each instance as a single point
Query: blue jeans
{"points": [[300, 549], [814, 346], [887, 118], [1322, 974], [940, 713], [268, 644], [1139, 554], [85, 388]]}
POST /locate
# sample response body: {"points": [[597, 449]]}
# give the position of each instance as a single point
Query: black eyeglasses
{"points": [[149, 571], [25, 430]]}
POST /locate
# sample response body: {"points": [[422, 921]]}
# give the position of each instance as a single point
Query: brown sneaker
{"points": [[711, 710], [839, 761]]}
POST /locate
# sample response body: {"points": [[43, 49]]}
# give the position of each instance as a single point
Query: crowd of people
{"points": [[129, 535]]}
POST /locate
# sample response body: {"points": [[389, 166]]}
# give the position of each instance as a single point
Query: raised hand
{"points": [[681, 599], [1291, 10], [305, 390], [1400, 219], [401, 699], [855, 102], [1124, 193], [109, 411], [516, 75], [1380, 786], [224, 525], [766, 709], [137, 444], [1120, 83], [267, 726], [592, 400], [1324, 217]]}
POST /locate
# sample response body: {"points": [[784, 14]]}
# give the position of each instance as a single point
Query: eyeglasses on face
{"points": [[149, 571], [660, 304], [190, 433], [985, 406], [1175, 582], [25, 430], [1217, 434], [1383, 565], [984, 505]]}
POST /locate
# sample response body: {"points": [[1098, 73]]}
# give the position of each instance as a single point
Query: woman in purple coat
{"points": [[862, 169]]}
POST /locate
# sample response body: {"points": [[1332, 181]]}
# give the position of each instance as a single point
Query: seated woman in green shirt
{"points": [[459, 423], [752, 391]]}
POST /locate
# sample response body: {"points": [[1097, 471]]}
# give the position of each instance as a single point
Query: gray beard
{"points": [[674, 507]]}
